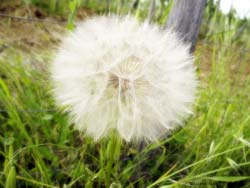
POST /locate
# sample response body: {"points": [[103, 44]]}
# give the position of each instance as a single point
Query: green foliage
{"points": [[11, 178], [39, 147], [52, 6], [73, 5]]}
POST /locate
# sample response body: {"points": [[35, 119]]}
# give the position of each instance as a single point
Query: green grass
{"points": [[39, 148]]}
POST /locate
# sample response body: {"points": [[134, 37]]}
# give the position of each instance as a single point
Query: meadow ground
{"points": [[38, 148]]}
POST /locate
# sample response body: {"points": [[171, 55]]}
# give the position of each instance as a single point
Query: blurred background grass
{"points": [[38, 148]]}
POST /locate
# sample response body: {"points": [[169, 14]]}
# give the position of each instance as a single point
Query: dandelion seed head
{"points": [[117, 73]]}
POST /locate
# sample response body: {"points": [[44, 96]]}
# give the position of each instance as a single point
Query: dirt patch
{"points": [[29, 28]]}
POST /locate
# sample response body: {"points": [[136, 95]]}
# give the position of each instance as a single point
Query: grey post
{"points": [[185, 17]]}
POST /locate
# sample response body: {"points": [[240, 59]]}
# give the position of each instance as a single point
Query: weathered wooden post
{"points": [[151, 11], [185, 18]]}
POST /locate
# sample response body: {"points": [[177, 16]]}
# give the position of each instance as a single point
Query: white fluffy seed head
{"points": [[116, 73]]}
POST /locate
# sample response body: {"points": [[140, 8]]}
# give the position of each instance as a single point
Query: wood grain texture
{"points": [[185, 18], [151, 12]]}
